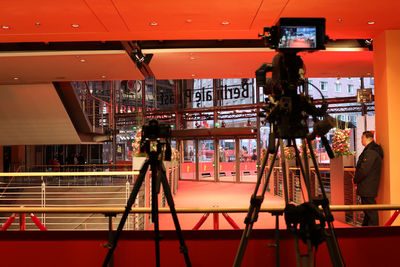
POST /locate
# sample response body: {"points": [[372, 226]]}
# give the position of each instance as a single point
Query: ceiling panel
{"points": [[53, 17], [184, 19], [33, 115], [198, 65], [354, 16], [39, 67]]}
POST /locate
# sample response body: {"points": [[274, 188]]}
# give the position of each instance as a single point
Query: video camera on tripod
{"points": [[287, 110], [287, 106]]}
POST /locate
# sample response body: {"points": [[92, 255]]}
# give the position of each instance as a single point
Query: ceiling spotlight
{"points": [[371, 22], [153, 23], [103, 76], [37, 23], [75, 25], [16, 78], [339, 20], [188, 21], [82, 60], [192, 58], [193, 75], [225, 23], [5, 27]]}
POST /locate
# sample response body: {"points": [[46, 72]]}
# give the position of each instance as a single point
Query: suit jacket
{"points": [[368, 170]]}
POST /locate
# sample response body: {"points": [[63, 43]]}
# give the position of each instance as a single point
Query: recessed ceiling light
{"points": [[339, 20], [193, 75], [153, 23], [192, 58], [82, 60], [103, 76], [16, 78], [368, 73], [75, 25], [188, 21], [371, 22], [225, 23], [5, 27], [37, 23]]}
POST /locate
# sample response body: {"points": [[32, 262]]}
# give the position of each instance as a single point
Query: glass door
{"points": [[188, 165], [227, 160], [206, 160], [248, 160]]}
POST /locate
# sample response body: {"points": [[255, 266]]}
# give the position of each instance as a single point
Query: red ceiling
{"points": [[183, 19], [102, 20]]}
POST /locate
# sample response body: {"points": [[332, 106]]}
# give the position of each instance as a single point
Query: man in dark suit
{"points": [[367, 176]]}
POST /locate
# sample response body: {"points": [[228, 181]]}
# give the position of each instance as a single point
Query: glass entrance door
{"points": [[206, 160], [188, 165], [248, 160], [227, 160]]}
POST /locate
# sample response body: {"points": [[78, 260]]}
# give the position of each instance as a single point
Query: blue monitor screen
{"points": [[298, 37]]}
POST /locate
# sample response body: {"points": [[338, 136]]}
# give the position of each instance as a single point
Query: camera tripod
{"points": [[304, 215], [158, 176]]}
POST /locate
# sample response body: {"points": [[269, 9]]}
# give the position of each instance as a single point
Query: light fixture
{"points": [[5, 27], [103, 76], [225, 22], [188, 21], [153, 23], [16, 78], [371, 22], [75, 25], [82, 60], [193, 75], [37, 23], [339, 20], [192, 58]]}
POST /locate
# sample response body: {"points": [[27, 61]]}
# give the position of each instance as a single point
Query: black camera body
{"points": [[296, 34], [153, 131]]}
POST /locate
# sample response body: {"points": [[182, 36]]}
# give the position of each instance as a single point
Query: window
{"points": [[350, 89], [338, 87], [324, 86], [371, 81]]}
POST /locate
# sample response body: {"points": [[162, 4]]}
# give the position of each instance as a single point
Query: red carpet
{"points": [[209, 194]]}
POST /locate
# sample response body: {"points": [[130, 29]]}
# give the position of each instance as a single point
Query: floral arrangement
{"points": [[341, 142], [136, 144], [308, 150], [289, 153]]}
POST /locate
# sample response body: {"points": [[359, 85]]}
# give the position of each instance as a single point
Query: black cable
{"points": [[323, 98]]}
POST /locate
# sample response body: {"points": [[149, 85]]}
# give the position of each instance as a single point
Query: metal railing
{"points": [[78, 189]]}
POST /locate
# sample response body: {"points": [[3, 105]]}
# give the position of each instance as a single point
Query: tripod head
{"points": [[155, 138]]}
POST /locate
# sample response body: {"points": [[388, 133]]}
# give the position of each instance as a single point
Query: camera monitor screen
{"points": [[300, 37]]}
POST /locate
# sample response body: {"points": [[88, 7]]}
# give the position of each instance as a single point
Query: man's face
{"points": [[364, 140]]}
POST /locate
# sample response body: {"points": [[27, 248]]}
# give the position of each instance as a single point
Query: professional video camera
{"points": [[287, 109], [155, 135]]}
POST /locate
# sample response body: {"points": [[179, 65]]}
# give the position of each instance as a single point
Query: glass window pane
{"points": [[248, 160], [227, 160], [188, 165], [206, 160]]}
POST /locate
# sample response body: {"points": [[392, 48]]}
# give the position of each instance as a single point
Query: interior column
{"points": [[387, 119]]}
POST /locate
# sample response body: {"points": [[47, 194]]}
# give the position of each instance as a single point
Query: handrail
{"points": [[182, 210], [9, 182], [21, 174]]}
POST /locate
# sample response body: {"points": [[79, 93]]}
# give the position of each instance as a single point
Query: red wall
{"points": [[360, 247]]}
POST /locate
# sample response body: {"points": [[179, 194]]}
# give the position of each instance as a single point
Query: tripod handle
{"points": [[328, 148]]}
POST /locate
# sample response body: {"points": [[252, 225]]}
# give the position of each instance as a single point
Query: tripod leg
{"points": [[171, 204], [128, 208], [331, 240], [307, 171], [255, 204], [155, 189], [284, 174]]}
